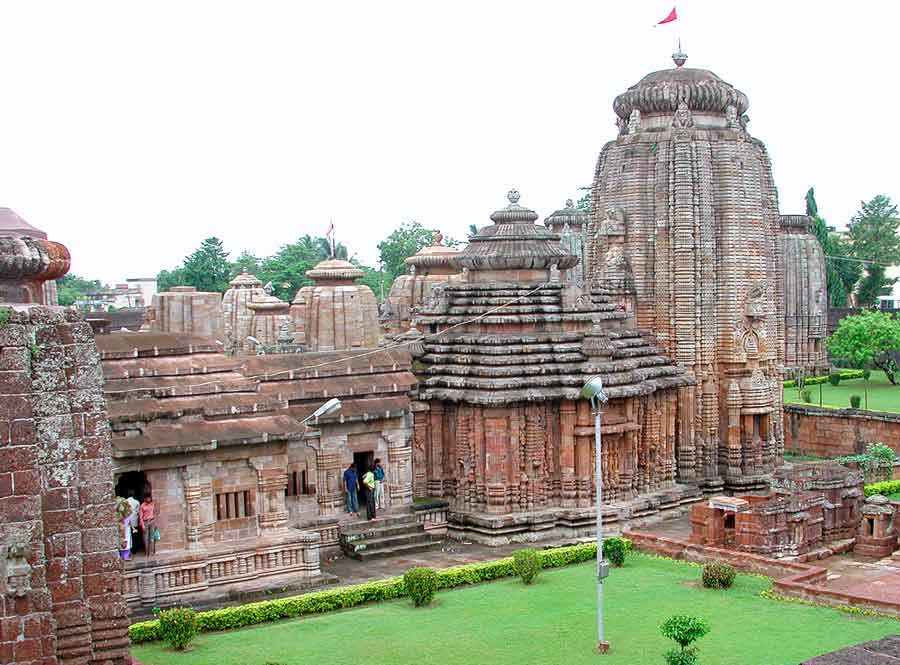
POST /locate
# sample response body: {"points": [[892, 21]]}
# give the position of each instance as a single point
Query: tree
{"points": [[286, 269], [584, 203], [842, 271], [873, 238], [868, 338], [73, 287], [684, 630], [206, 269], [402, 243], [246, 261]]}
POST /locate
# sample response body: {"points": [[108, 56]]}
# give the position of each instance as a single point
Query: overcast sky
{"points": [[131, 131]]}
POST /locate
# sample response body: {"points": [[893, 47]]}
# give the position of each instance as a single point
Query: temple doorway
{"points": [[134, 481], [362, 461]]}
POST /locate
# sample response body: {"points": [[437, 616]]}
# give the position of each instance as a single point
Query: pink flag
{"points": [[671, 17]]}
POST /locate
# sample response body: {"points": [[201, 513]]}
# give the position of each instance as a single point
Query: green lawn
{"points": [[883, 396], [552, 622]]}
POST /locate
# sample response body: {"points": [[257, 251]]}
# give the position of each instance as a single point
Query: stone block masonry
{"points": [[60, 573], [829, 433]]}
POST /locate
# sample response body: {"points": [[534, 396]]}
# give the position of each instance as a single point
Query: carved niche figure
{"points": [[385, 311], [285, 332], [756, 299], [614, 224], [269, 289], [438, 299], [615, 259], [15, 571], [745, 120], [634, 122], [731, 119], [622, 126], [683, 118]]}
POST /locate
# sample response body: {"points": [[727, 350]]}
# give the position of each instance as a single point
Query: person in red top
{"points": [[147, 519]]}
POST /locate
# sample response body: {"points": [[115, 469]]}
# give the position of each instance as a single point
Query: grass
{"points": [[883, 396], [552, 621]]}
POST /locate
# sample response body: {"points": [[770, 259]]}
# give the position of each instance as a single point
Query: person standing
{"points": [[147, 519], [351, 485], [134, 504], [379, 485], [369, 486]]}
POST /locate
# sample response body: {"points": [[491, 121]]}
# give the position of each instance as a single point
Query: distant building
{"points": [[147, 286], [134, 292], [890, 298]]}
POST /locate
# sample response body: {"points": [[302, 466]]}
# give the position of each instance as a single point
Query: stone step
{"points": [[405, 519], [396, 550], [386, 542], [383, 532]]}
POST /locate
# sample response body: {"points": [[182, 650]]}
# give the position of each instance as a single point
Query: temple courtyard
{"points": [[552, 621]]}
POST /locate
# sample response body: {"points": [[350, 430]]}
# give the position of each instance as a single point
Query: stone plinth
{"points": [[186, 310]]}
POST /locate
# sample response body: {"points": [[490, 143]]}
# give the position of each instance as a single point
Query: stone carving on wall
{"points": [[756, 299], [614, 224], [683, 118], [622, 126], [634, 122], [15, 571], [731, 119]]}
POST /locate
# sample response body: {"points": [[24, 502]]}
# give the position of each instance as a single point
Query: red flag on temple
{"points": [[671, 17]]}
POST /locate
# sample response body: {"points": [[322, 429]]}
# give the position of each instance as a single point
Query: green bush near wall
{"points": [[844, 374], [884, 487], [228, 618]]}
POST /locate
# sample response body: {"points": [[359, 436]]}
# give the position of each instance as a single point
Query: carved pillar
{"points": [[583, 454], [732, 461], [271, 484], [400, 480], [420, 414], [568, 487], [435, 451], [684, 407], [330, 492]]}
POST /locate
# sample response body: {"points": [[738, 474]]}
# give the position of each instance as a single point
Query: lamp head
{"points": [[329, 407], [593, 390]]}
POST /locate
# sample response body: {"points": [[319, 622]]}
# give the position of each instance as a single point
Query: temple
{"points": [[499, 428], [687, 236]]}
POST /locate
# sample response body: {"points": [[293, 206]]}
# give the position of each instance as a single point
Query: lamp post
{"points": [[329, 407], [593, 390]]}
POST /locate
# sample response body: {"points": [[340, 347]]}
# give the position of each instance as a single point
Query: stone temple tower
{"points": [[685, 234]]}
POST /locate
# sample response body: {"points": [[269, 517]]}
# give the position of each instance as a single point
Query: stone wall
{"points": [[60, 572], [832, 433]]}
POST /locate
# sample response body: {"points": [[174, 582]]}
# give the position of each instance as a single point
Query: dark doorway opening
{"points": [[363, 461], [136, 482]]}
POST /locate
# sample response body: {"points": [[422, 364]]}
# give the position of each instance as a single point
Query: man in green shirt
{"points": [[369, 487]]}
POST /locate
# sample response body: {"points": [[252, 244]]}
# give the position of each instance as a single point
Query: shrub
{"points": [[867, 373], [684, 630], [178, 626], [251, 614], [421, 584], [615, 549], [834, 379], [885, 488], [806, 396], [855, 401], [718, 575], [844, 374], [527, 564]]}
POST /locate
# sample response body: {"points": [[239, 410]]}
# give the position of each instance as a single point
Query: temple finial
{"points": [[680, 57], [513, 196]]}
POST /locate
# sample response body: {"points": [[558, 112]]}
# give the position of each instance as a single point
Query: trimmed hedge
{"points": [[883, 487], [228, 618], [844, 374]]}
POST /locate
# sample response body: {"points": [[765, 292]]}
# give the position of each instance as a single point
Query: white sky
{"points": [[131, 131]]}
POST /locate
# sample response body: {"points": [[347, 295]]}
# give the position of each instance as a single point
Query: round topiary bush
{"points": [[855, 401], [615, 549], [421, 585], [867, 373], [806, 395], [527, 564], [178, 626], [834, 379], [717, 575]]}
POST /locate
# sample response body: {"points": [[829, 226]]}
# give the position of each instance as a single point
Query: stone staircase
{"points": [[385, 536]]}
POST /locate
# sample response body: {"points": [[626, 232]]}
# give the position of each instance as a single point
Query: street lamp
{"points": [[329, 407], [593, 390]]}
